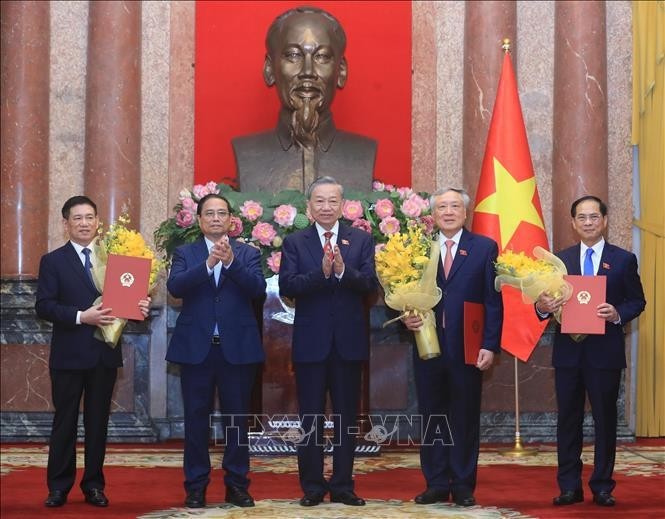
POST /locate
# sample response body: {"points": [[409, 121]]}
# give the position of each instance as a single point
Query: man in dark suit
{"points": [[448, 389], [594, 364], [79, 364], [329, 269], [217, 343]]}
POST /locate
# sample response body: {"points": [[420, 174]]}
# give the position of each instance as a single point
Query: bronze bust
{"points": [[305, 61]]}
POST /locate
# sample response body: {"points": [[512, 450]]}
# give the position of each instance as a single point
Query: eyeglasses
{"points": [[209, 215], [593, 218]]}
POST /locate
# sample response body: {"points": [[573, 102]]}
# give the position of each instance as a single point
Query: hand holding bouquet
{"points": [[406, 268], [532, 276]]}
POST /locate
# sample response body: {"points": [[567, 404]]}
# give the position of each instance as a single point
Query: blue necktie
{"points": [[588, 264], [88, 264]]}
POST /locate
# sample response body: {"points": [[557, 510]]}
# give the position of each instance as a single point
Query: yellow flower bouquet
{"points": [[121, 240], [406, 268], [533, 276]]}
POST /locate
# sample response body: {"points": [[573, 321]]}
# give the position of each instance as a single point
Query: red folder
{"points": [[579, 312], [125, 284], [474, 319]]}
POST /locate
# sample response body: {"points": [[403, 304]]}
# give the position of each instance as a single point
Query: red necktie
{"points": [[327, 246], [448, 260]]}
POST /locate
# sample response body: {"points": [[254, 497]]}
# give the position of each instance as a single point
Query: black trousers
{"points": [[67, 387]]}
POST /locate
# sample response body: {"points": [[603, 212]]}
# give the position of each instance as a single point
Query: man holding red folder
{"points": [[592, 365], [448, 388]]}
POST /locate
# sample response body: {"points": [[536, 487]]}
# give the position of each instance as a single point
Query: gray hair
{"points": [[323, 181], [462, 192]]}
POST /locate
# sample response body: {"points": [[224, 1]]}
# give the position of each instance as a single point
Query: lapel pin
{"points": [[345, 242], [462, 252], [606, 266]]}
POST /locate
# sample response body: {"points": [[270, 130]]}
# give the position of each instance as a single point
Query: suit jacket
{"points": [[471, 279], [62, 290], [328, 311], [204, 304], [624, 292]]}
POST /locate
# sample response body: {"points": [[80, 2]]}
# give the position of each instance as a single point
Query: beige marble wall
{"points": [[69, 43]]}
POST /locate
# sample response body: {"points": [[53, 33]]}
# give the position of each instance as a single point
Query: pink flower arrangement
{"points": [[352, 209], [411, 208], [363, 224], [389, 225], [397, 209], [384, 208], [428, 222], [284, 215], [275, 261], [184, 218], [264, 233], [188, 204], [251, 210], [235, 227]]}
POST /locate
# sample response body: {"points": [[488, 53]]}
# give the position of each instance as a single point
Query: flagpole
{"points": [[517, 450]]}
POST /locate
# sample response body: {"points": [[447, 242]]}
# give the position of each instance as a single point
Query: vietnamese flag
{"points": [[508, 207]]}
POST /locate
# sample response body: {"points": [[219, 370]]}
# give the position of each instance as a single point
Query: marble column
{"points": [[579, 161], [113, 109], [486, 24], [25, 137]]}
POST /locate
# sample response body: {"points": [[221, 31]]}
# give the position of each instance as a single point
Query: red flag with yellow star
{"points": [[508, 207]]}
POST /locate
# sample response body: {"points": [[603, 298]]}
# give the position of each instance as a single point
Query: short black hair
{"points": [[207, 197], [77, 200], [601, 204]]}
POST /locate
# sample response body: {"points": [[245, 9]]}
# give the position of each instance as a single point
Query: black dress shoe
{"points": [[347, 498], [431, 495], [196, 498], [239, 497], [56, 498], [96, 497], [604, 499], [569, 497], [464, 499], [311, 499]]}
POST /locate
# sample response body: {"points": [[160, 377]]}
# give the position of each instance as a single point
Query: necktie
{"points": [[327, 246], [448, 260], [588, 263], [88, 265]]}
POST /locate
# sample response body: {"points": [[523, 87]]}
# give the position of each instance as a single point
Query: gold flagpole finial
{"points": [[506, 45]]}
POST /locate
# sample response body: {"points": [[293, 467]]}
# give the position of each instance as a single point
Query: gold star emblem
{"points": [[512, 202]]}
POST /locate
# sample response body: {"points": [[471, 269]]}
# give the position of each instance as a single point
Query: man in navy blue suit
{"points": [[594, 364], [216, 342], [329, 269], [80, 365], [448, 389]]}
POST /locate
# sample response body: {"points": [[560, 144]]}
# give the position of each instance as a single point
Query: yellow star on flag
{"points": [[512, 201]]}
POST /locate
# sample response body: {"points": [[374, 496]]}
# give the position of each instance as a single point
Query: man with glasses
{"points": [[217, 344], [329, 269], [593, 365], [80, 365]]}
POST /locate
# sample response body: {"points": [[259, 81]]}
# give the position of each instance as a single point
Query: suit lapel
{"points": [[313, 244], [606, 260], [573, 261], [463, 250], [201, 254], [77, 266]]}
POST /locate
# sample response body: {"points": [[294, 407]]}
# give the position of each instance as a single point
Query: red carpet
{"points": [[144, 479]]}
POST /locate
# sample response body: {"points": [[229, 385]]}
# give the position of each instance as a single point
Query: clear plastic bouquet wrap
{"points": [[533, 276], [118, 239], [406, 267]]}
